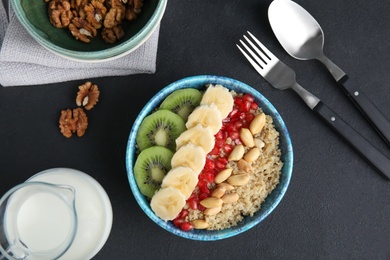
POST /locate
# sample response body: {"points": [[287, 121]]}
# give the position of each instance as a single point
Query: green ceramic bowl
{"points": [[34, 17]]}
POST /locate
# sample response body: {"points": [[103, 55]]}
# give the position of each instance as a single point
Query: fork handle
{"points": [[362, 146], [372, 113]]}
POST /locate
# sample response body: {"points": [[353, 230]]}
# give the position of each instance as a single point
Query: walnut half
{"points": [[88, 95], [73, 121], [111, 35]]}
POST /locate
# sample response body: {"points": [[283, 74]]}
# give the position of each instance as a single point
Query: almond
{"points": [[237, 153], [247, 137], [230, 198], [257, 124], [211, 202], [200, 224], [225, 185], [244, 165], [223, 175], [212, 211], [218, 192], [252, 154], [238, 180]]}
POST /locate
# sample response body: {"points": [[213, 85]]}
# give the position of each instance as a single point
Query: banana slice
{"points": [[167, 203], [197, 135], [221, 97], [207, 116], [189, 155], [182, 178]]}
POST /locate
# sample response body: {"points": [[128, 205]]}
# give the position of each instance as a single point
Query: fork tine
{"points": [[259, 53], [263, 48], [251, 61]]}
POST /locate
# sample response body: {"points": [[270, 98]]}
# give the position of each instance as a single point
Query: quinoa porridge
{"points": [[264, 177]]}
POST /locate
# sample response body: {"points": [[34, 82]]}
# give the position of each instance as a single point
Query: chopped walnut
{"points": [[60, 14], [81, 29], [95, 12], [88, 95], [130, 14], [78, 4], [115, 15], [138, 4], [111, 35], [84, 17], [133, 8], [75, 121]]}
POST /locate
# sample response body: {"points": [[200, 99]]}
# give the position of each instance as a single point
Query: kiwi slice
{"points": [[182, 101], [151, 166], [160, 128]]}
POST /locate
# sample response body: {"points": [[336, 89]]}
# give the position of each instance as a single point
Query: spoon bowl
{"points": [[300, 34]]}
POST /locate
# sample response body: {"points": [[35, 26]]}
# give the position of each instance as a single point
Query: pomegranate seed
{"points": [[220, 165], [209, 177], [215, 151], [238, 125], [233, 113], [223, 160], [249, 117], [234, 135], [178, 222], [210, 165], [202, 196], [242, 115], [203, 186], [200, 207], [219, 143], [226, 120], [248, 97], [186, 226], [193, 203], [246, 106], [227, 148], [254, 106], [225, 135], [219, 135], [238, 101], [231, 128], [183, 214]]}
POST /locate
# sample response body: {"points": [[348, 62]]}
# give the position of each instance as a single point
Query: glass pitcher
{"points": [[38, 220]]}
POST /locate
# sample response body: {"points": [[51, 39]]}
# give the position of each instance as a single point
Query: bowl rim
{"points": [[263, 212], [108, 54]]}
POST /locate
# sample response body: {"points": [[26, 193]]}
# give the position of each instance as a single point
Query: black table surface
{"points": [[336, 207]]}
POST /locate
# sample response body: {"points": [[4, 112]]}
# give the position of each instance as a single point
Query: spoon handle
{"points": [[372, 113], [378, 160]]}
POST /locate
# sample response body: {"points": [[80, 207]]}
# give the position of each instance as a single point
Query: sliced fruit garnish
{"points": [[189, 155], [207, 116], [167, 203], [160, 128], [221, 97], [182, 102], [182, 178], [150, 168]]}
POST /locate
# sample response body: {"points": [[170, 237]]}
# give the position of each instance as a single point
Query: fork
{"points": [[280, 76]]}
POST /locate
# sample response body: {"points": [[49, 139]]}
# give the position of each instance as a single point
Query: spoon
{"points": [[302, 37]]}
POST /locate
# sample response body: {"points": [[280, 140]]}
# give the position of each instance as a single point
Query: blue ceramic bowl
{"points": [[271, 201], [33, 15]]}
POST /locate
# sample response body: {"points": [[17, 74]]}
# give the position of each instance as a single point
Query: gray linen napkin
{"points": [[23, 61]]}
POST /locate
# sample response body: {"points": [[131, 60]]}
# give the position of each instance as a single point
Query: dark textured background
{"points": [[337, 206]]}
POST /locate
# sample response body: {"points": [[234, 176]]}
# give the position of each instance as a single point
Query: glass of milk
{"points": [[38, 220]]}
